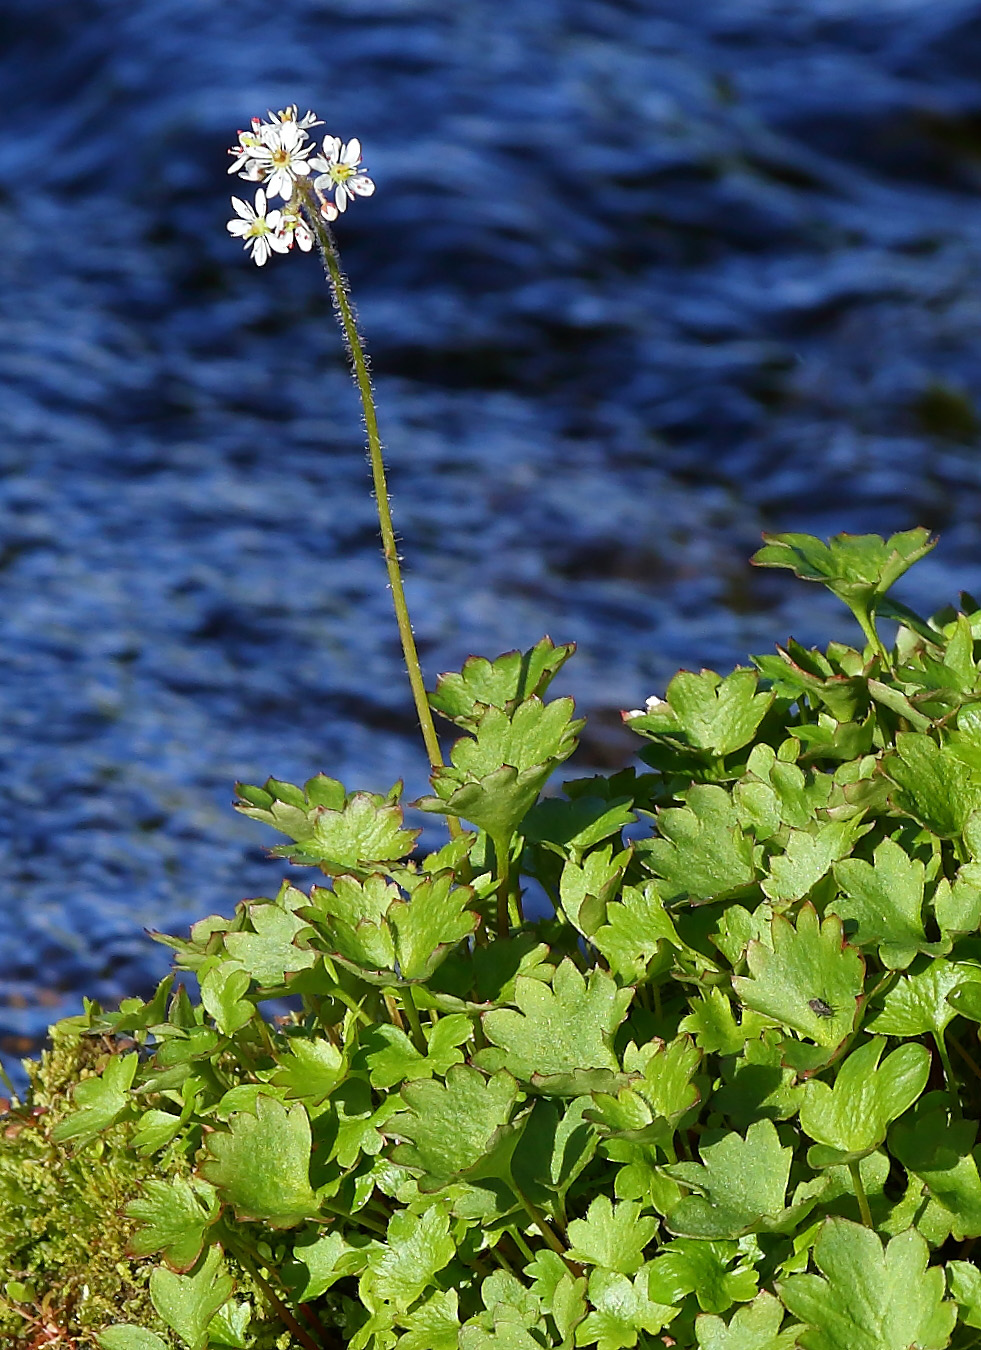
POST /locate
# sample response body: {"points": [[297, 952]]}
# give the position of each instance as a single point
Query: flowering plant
{"points": [[708, 1100]]}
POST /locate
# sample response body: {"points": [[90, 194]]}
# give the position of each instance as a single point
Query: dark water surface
{"points": [[640, 280]]}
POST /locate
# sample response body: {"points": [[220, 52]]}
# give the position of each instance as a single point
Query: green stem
{"points": [[520, 1243], [349, 327], [280, 1308], [955, 1102], [861, 1197], [541, 1223], [412, 1015], [502, 862]]}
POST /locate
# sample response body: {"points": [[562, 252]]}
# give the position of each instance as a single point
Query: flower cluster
{"points": [[280, 155]]}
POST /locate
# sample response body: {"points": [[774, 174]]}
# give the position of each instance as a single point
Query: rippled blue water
{"points": [[639, 280]]}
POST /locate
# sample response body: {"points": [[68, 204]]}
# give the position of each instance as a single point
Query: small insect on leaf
{"points": [[822, 1009]]}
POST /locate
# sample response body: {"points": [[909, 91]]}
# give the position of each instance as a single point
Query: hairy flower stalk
{"points": [[277, 154]]}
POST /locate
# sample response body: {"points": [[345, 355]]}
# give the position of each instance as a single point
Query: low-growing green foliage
{"points": [[725, 1095]]}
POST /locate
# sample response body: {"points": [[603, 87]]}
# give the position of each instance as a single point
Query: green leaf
{"points": [[809, 981], [707, 712], [885, 901], [494, 778], [742, 1182], [637, 925], [808, 857], [667, 1072], [611, 1236], [559, 1029], [689, 1266], [434, 1325], [964, 1281], [917, 1004], [940, 1152], [123, 1337], [392, 1058], [867, 1299], [557, 1143], [850, 1119], [713, 1025], [365, 831], [702, 853], [417, 1247], [622, 1309], [577, 825], [932, 785], [427, 926], [175, 1215], [858, 568], [585, 888], [262, 1165], [270, 953], [221, 993], [230, 1326], [187, 1303], [504, 683], [754, 1327], [311, 1070], [318, 1262], [450, 1128], [99, 1102]]}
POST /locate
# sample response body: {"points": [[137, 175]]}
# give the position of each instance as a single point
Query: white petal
{"points": [[273, 219], [277, 243], [361, 187], [301, 167], [324, 183], [328, 210], [351, 152], [340, 197], [242, 209], [332, 147], [239, 228], [260, 202], [305, 240]]}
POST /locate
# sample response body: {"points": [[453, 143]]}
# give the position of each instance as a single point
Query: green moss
{"points": [[63, 1238]]}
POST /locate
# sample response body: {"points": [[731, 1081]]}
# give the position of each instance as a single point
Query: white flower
{"points": [[295, 230], [258, 227], [274, 153], [340, 171], [289, 114], [652, 703]]}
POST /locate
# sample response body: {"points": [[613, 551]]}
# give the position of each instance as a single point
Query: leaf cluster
{"points": [[724, 1095]]}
